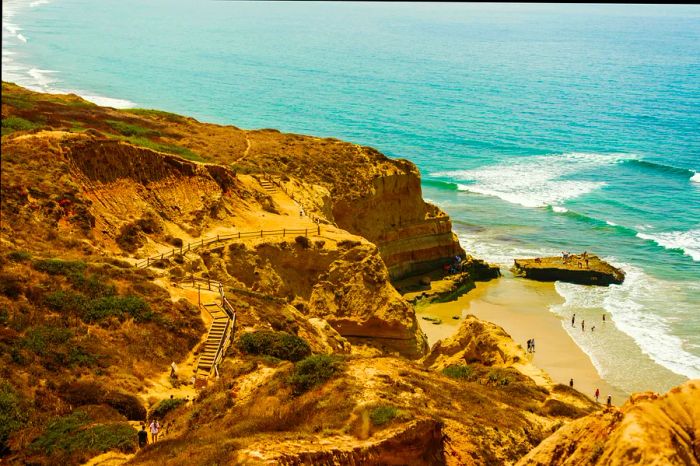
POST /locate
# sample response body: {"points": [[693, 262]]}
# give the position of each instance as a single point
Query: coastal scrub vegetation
{"points": [[14, 123], [458, 371], [75, 438], [313, 371], [280, 345], [164, 407]]}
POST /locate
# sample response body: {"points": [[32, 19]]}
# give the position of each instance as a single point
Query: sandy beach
{"points": [[521, 307]]}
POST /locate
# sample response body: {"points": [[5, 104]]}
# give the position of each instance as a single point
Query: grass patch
{"points": [[163, 147], [147, 112], [19, 256], [313, 371], [458, 371], [41, 340], [12, 414], [15, 123], [100, 308], [58, 266], [130, 129], [164, 407], [280, 345], [383, 414], [69, 437]]}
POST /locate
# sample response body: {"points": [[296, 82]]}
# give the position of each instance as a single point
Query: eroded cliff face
{"points": [[413, 236], [649, 429], [344, 282]]}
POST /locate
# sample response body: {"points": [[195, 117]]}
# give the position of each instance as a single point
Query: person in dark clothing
{"points": [[143, 436], [609, 400], [571, 383]]}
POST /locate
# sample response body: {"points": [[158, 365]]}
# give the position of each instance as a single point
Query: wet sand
{"points": [[521, 307]]}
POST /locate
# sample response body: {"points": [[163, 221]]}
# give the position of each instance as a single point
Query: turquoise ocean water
{"points": [[538, 128]]}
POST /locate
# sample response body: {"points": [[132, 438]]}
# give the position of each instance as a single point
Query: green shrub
{"points": [[163, 147], [66, 301], [59, 267], [19, 256], [130, 129], [12, 414], [383, 414], [312, 371], [303, 241], [118, 306], [79, 356], [279, 345], [42, 340], [92, 285], [458, 371], [15, 123], [498, 377], [10, 285], [164, 407], [130, 237], [127, 405], [156, 113], [69, 434]]}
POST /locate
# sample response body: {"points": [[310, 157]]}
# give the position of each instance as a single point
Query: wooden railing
{"points": [[194, 245]]}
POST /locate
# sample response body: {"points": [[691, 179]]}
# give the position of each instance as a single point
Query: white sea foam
{"points": [[695, 178], [535, 181], [32, 77], [634, 308], [686, 241], [559, 209], [612, 224]]}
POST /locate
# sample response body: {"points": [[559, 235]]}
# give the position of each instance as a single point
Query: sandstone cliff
{"points": [[649, 429]]}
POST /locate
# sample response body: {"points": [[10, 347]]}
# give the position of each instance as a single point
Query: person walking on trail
{"points": [[573, 319], [173, 369], [155, 428], [603, 317], [571, 383], [597, 394], [583, 325], [143, 436], [532, 345], [529, 344], [609, 401]]}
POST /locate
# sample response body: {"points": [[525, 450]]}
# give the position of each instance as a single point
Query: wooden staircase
{"points": [[218, 340], [268, 186]]}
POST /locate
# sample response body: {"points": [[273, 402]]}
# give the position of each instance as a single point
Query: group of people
{"points": [[455, 266], [583, 258], [583, 323], [154, 427], [597, 393], [531, 345]]}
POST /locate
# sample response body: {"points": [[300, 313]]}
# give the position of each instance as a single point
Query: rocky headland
{"points": [[110, 218], [579, 269]]}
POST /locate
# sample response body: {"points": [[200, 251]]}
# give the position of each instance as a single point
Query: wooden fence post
{"points": [[148, 261], [306, 232], [319, 230], [284, 230]]}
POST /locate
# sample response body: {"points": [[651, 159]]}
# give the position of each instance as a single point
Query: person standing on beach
{"points": [[532, 345], [597, 394], [609, 401], [603, 317], [573, 319], [571, 383], [529, 342]]}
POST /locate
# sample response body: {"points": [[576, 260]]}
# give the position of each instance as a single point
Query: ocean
{"points": [[537, 128]]}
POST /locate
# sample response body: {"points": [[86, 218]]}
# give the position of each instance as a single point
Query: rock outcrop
{"points": [[649, 429], [590, 270]]}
